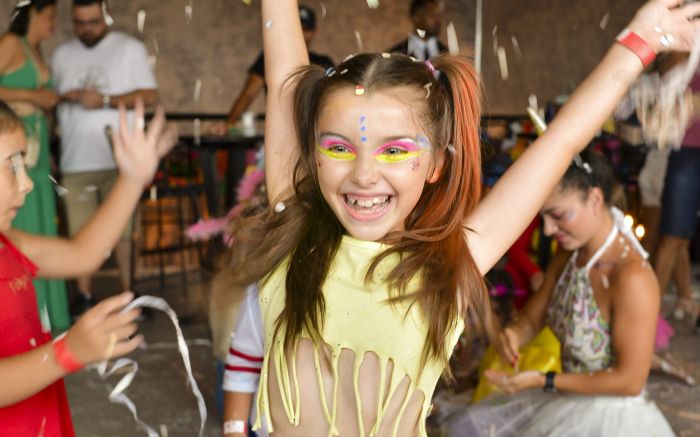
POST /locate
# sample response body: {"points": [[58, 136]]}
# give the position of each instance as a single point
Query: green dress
{"points": [[38, 215]]}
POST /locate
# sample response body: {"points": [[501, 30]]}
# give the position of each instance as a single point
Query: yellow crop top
{"points": [[357, 318]]}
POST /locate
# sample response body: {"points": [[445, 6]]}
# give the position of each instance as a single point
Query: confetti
{"points": [[478, 34], [532, 102], [105, 13], [420, 33], [503, 63], [188, 13], [197, 90], [604, 21], [268, 24], [373, 4], [494, 36], [452, 41], [141, 20], [386, 55], [60, 190], [323, 11], [427, 87], [280, 207], [344, 71], [516, 47], [247, 2], [358, 40]]}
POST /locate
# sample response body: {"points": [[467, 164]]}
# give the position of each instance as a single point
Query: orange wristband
{"points": [[637, 45], [64, 356]]}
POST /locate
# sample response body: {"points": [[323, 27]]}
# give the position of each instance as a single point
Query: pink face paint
{"points": [[336, 148], [398, 151]]}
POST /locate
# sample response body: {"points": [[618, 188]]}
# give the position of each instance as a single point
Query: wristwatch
{"points": [[106, 101], [549, 382]]}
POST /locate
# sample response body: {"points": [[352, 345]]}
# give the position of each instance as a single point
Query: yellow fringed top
{"points": [[358, 319]]}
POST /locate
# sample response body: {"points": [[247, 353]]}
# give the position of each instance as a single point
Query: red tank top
{"points": [[45, 413]]}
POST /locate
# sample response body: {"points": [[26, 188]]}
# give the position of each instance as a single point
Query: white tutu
{"points": [[537, 414]]}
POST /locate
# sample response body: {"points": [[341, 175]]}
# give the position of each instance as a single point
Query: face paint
{"points": [[336, 148], [398, 151], [363, 128]]}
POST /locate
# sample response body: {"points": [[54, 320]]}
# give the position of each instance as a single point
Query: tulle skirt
{"points": [[537, 414]]}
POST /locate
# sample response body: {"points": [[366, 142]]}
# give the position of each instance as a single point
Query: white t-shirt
{"points": [[118, 64]]}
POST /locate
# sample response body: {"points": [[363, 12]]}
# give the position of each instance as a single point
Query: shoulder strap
{"points": [[601, 250]]}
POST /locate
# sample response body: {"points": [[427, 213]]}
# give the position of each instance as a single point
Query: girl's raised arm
{"points": [[137, 154], [285, 51], [516, 198]]}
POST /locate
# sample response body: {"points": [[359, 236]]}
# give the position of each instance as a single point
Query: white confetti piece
{"points": [[420, 33], [532, 102], [373, 4], [323, 11], [197, 90], [197, 131], [604, 21], [494, 36], [140, 20], [478, 34], [358, 40], [268, 24], [188, 13], [452, 41], [503, 63], [516, 47], [60, 190], [105, 13]]}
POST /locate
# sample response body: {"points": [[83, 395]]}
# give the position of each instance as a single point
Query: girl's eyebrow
{"points": [[333, 134]]}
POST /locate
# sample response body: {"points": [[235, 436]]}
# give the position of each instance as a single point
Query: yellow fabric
{"points": [[355, 314], [542, 354]]}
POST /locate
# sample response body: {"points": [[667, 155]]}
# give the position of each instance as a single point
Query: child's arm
{"points": [[285, 51], [137, 154], [531, 319], [244, 362], [102, 332], [515, 199]]}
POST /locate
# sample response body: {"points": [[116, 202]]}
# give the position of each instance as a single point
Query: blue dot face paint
{"points": [[363, 128]]}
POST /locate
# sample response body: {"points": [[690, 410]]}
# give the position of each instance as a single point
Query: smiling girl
{"points": [[376, 244]]}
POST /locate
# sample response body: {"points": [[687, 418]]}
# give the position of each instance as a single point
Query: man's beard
{"points": [[91, 41]]}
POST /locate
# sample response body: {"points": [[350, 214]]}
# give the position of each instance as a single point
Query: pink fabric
{"points": [[664, 332], [692, 134]]}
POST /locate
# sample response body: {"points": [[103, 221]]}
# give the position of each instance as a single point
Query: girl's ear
{"points": [[437, 168], [596, 197]]}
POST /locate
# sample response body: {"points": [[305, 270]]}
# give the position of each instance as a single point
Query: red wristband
{"points": [[64, 356], [637, 45]]}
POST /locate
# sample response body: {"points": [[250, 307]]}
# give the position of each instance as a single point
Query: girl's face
{"points": [[373, 160], [14, 181], [44, 21], [571, 217]]}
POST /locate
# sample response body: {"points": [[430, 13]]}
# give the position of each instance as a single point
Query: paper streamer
{"points": [[117, 395]]}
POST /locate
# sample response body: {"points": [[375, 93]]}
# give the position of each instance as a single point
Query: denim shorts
{"points": [[681, 198]]}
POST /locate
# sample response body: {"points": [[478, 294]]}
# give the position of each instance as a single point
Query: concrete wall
{"points": [[560, 41]]}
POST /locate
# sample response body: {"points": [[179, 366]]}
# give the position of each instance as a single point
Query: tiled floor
{"points": [[164, 400]]}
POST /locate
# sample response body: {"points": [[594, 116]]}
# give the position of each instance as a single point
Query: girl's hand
{"points": [[137, 152], [517, 382], [44, 98], [661, 18], [104, 332], [508, 346]]}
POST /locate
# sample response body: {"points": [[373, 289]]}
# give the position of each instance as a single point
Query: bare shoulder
{"points": [[10, 45], [634, 278]]}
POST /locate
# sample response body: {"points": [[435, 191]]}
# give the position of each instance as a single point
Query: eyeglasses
{"points": [[88, 23]]}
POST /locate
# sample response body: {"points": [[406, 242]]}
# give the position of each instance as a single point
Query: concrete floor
{"points": [[164, 400]]}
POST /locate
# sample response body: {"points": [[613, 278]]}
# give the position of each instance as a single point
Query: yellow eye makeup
{"points": [[398, 151], [336, 149]]}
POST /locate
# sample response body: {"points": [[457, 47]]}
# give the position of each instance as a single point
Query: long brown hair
{"points": [[433, 244]]}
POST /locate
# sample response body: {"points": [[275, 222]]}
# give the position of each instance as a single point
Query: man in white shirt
{"points": [[422, 42], [94, 74]]}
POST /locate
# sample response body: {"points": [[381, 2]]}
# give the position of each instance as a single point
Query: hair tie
{"points": [[432, 68], [583, 165], [330, 71]]}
